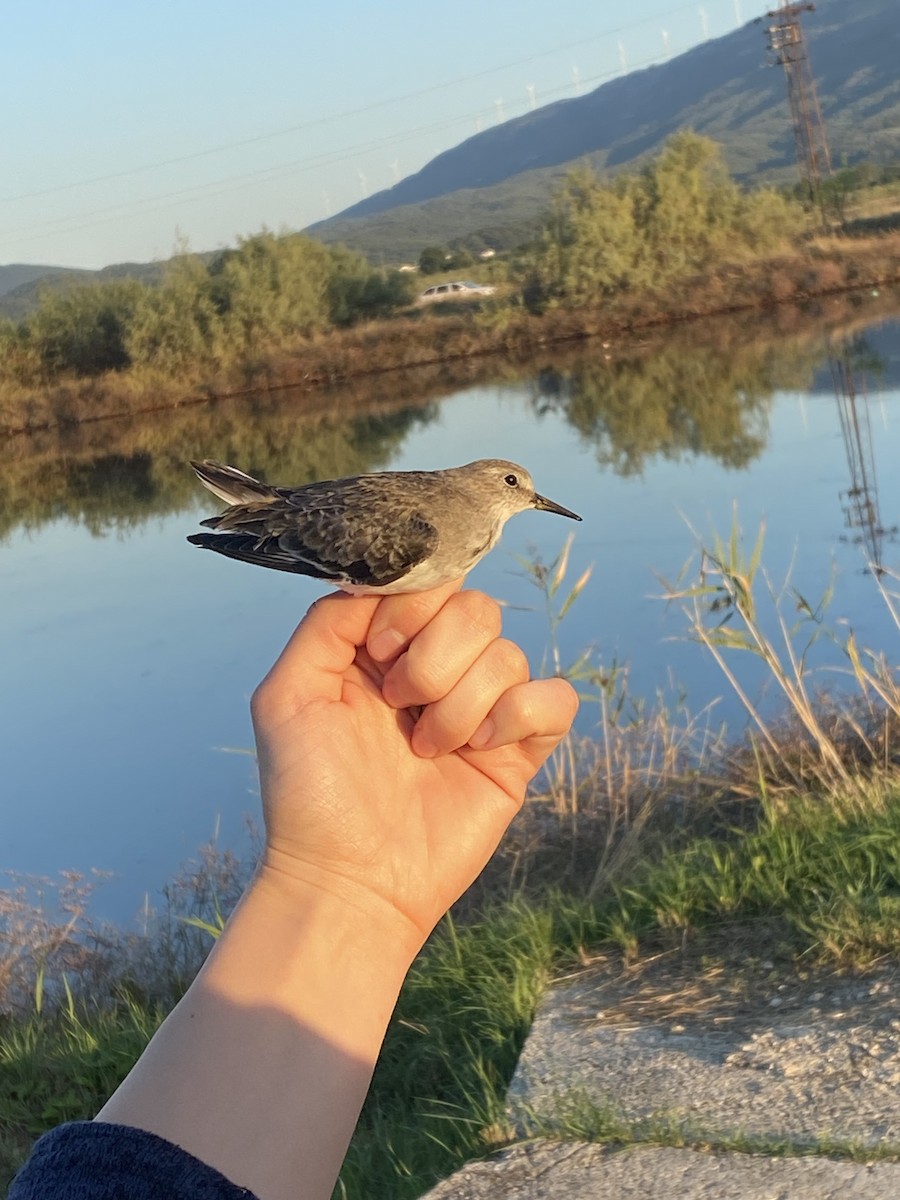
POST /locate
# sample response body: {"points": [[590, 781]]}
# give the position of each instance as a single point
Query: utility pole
{"points": [[785, 41]]}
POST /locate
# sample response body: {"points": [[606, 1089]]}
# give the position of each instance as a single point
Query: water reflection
{"points": [[678, 401], [850, 366], [670, 399], [143, 473]]}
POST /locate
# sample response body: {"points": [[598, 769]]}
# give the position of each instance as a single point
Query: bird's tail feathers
{"points": [[232, 485]]}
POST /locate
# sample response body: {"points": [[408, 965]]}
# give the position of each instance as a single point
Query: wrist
{"points": [[303, 906], [310, 949], [303, 889]]}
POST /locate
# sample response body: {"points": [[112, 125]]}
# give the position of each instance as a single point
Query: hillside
{"points": [[17, 275], [493, 186], [21, 284]]}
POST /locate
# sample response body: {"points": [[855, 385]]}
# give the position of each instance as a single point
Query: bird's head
{"points": [[506, 488]]}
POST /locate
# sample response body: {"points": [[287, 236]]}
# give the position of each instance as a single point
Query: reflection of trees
{"points": [[142, 469], [675, 397], [857, 352], [680, 399]]}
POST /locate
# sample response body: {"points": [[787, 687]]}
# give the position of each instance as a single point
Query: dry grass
{"points": [[50, 944], [657, 776], [733, 609], [42, 927]]}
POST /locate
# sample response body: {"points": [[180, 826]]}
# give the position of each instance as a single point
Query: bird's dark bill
{"points": [[546, 505]]}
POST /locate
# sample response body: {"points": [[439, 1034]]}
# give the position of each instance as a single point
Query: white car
{"points": [[459, 289]]}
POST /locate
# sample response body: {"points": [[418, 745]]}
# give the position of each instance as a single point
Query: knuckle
{"points": [[266, 704], [572, 699], [513, 660], [480, 611], [524, 708], [408, 612], [260, 702], [424, 676]]}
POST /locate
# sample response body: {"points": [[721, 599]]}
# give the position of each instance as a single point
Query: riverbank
{"points": [[435, 341]]}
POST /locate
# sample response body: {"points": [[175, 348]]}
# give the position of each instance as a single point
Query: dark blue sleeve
{"points": [[91, 1160]]}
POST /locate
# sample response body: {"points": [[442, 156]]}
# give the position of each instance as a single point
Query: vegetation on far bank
{"points": [[680, 216], [703, 389], [677, 240], [659, 833], [703, 392]]}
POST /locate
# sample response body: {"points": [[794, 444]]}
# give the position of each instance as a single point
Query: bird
{"points": [[384, 533]]}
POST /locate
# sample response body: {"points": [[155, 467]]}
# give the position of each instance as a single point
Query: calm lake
{"points": [[129, 657]]}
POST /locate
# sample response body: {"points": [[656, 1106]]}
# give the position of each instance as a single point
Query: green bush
{"points": [[271, 288], [368, 296], [433, 259], [681, 214], [19, 360], [83, 330], [177, 323]]}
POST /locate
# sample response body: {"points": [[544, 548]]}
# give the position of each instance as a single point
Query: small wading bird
{"points": [[394, 531]]}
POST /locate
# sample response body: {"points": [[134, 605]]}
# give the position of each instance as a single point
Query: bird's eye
{"points": [[512, 480]]}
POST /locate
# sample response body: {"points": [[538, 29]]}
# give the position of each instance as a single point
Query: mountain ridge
{"points": [[721, 88], [491, 189]]}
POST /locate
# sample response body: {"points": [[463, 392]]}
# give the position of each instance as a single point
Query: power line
{"points": [[339, 116], [231, 183]]}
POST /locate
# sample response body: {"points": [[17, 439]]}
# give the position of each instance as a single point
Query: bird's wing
{"points": [[333, 538], [244, 548]]}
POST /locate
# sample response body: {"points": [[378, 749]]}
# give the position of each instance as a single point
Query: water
{"points": [[129, 657]]}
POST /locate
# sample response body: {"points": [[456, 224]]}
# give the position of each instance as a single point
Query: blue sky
{"points": [[131, 128]]}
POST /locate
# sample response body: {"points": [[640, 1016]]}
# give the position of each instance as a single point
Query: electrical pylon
{"points": [[784, 34]]}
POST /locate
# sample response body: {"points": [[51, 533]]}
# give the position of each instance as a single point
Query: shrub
{"points": [[177, 323], [83, 330], [270, 288], [367, 296], [681, 214]]}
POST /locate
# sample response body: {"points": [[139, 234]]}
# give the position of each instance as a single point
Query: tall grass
{"points": [[734, 610], [647, 767]]}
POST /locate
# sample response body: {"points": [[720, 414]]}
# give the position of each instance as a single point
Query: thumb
{"points": [[322, 647]]}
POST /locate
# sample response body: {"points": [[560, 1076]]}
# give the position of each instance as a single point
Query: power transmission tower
{"points": [[785, 40]]}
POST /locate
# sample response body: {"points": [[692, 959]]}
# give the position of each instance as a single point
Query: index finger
{"points": [[399, 618]]}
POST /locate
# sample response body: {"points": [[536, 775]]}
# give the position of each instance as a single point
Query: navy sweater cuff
{"points": [[93, 1160]]}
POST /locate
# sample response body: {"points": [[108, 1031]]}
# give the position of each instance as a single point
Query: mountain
{"points": [[17, 275], [21, 283], [492, 187]]}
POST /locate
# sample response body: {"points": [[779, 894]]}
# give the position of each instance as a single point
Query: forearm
{"points": [[260, 1071]]}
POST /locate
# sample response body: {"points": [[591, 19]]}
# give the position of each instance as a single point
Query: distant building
{"points": [[408, 267], [489, 253]]}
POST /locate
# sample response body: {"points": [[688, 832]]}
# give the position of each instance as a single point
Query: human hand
{"points": [[365, 795]]}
